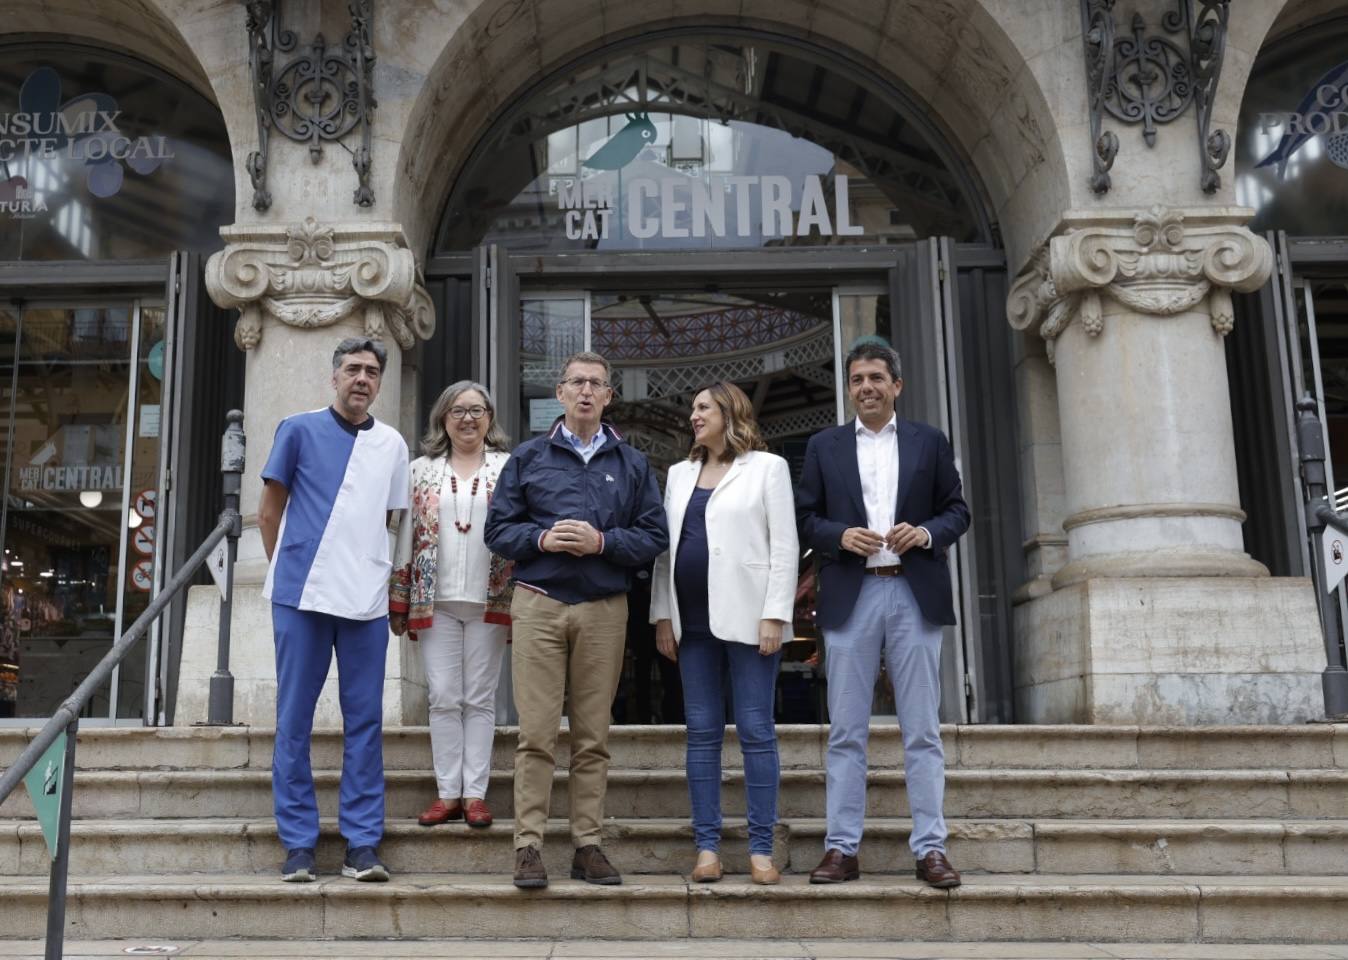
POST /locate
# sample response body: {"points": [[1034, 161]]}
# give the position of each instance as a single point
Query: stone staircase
{"points": [[1063, 833]]}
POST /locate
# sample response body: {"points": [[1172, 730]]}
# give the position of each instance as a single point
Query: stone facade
{"points": [[1131, 517]]}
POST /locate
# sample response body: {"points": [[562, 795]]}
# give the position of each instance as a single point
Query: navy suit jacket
{"points": [[829, 500]]}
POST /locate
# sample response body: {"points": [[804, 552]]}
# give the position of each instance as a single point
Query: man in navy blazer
{"points": [[880, 503]]}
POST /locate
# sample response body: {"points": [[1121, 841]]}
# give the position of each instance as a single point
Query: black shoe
{"points": [[592, 866], [299, 866], [362, 863], [530, 874]]}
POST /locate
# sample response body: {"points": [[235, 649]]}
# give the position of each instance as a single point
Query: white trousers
{"points": [[462, 656]]}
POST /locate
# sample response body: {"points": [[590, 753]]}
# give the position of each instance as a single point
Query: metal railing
{"points": [[66, 717], [1320, 513]]}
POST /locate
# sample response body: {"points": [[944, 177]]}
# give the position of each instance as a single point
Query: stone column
{"points": [[1159, 614], [300, 289]]}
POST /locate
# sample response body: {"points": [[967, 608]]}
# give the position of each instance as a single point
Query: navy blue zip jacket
{"points": [[545, 480]]}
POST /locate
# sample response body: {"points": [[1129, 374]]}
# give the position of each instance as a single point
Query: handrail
{"points": [[1320, 514], [67, 716], [70, 709]]}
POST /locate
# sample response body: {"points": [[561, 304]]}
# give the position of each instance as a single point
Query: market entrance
{"points": [[738, 207]]}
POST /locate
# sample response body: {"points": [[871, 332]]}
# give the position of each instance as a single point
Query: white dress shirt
{"points": [[878, 462]]}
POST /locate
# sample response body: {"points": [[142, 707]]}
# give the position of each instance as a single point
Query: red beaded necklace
{"points": [[460, 525], [472, 493]]}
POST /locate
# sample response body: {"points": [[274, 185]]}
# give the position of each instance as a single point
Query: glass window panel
{"points": [[777, 346], [102, 157], [143, 526], [550, 331], [1292, 138], [729, 143], [61, 576]]}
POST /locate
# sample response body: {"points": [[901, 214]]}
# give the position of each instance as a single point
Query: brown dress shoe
{"points": [[836, 868], [590, 865], [937, 871], [440, 812], [530, 874], [477, 814]]}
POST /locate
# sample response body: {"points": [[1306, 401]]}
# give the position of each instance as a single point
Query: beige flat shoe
{"points": [[766, 876], [708, 872]]}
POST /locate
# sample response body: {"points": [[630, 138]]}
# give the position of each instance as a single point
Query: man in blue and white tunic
{"points": [[332, 480]]}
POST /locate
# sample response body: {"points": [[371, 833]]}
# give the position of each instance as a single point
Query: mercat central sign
{"points": [[675, 207]]}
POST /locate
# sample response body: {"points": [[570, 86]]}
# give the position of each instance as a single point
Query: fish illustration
{"points": [[1292, 142], [623, 147]]}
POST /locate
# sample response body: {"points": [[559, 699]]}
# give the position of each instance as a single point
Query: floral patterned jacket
{"points": [[412, 585]]}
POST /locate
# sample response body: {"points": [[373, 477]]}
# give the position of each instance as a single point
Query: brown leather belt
{"points": [[893, 571]]}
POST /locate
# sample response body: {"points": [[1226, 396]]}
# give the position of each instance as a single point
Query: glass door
{"points": [[77, 523]]}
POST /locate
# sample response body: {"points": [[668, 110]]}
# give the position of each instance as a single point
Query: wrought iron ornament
{"points": [[1098, 34], [322, 93], [1148, 79]]}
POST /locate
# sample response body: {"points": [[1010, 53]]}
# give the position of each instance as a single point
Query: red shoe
{"points": [[477, 814], [440, 812]]}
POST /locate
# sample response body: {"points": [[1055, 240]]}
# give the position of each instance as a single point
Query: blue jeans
{"points": [[704, 662], [305, 644]]}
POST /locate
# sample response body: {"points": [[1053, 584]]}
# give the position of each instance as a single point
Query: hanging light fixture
{"points": [[91, 498]]}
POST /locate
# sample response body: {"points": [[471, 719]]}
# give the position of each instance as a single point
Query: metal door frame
{"points": [[501, 277]]}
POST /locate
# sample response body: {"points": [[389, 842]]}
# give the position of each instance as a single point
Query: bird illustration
{"points": [[623, 147], [1292, 142]]}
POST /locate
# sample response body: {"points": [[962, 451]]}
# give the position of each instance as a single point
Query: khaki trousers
{"points": [[555, 642]]}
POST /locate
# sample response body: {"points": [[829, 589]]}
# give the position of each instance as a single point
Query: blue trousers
{"points": [[305, 642], [704, 662], [885, 622]]}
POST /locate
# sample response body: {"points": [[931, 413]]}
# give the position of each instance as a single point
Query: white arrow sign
{"points": [[216, 564], [1334, 546]]}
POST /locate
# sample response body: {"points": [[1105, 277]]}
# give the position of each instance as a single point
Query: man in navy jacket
{"points": [[578, 510], [880, 503]]}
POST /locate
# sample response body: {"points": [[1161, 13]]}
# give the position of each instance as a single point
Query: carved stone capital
{"points": [[1160, 263], [308, 275]]}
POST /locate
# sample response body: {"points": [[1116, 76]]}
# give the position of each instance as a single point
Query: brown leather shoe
{"points": [[530, 874], [477, 814], [440, 812], [590, 865], [836, 868], [937, 871]]}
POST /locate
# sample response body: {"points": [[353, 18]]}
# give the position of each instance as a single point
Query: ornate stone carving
{"points": [[1162, 264], [316, 276]]}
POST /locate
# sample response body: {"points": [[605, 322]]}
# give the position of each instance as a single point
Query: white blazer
{"points": [[752, 550]]}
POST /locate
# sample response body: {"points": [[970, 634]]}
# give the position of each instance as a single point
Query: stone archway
{"points": [[977, 83]]}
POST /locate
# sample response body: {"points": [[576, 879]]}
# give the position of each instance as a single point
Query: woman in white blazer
{"points": [[453, 595], [721, 600]]}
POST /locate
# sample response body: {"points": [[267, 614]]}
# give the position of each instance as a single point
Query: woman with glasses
{"points": [[722, 598], [454, 595]]}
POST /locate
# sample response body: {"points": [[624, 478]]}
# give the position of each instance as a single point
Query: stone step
{"points": [[1098, 908], [1313, 746], [665, 846], [1114, 794]]}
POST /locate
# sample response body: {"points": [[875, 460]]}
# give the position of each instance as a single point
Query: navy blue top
{"points": [[690, 565]]}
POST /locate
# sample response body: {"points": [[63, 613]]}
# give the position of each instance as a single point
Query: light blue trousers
{"points": [[885, 622]]}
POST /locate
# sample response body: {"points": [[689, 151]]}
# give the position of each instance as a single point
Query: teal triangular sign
{"points": [[45, 782]]}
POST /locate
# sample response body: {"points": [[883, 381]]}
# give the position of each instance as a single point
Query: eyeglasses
{"points": [[580, 383], [468, 413]]}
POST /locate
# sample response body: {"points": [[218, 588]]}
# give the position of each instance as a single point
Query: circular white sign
{"points": [[142, 576], [145, 503]]}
